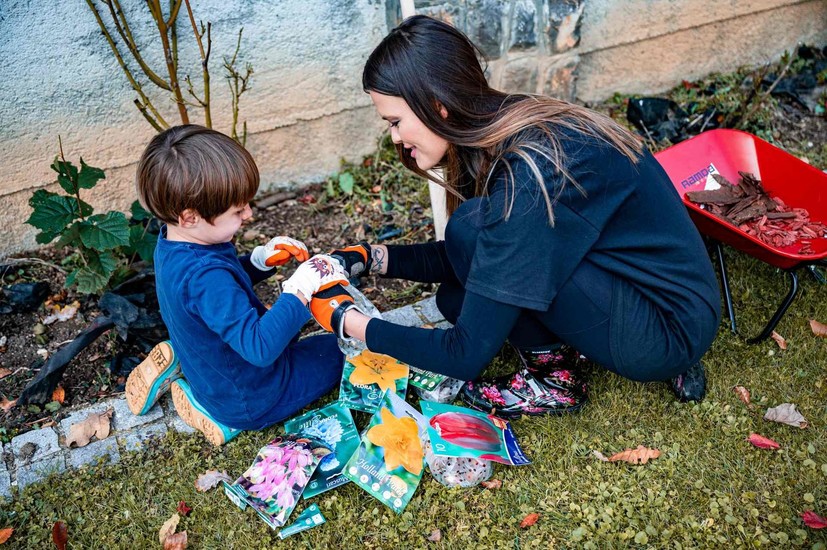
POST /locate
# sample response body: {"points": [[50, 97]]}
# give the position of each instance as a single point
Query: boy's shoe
{"points": [[194, 415], [152, 378], [691, 385]]}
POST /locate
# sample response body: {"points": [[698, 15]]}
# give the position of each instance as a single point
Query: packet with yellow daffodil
{"points": [[389, 461], [366, 376]]}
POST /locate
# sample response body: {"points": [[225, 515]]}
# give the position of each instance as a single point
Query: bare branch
{"points": [[205, 72], [135, 84], [124, 31]]}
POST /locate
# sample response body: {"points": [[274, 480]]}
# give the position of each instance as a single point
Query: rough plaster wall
{"points": [[648, 46], [305, 111]]}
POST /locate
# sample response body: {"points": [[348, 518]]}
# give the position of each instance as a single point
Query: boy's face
{"points": [[222, 228]]}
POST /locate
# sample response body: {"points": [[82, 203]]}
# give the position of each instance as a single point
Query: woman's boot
{"points": [[551, 381], [691, 385]]}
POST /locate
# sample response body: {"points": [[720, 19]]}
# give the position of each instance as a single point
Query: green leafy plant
{"points": [[105, 245]]}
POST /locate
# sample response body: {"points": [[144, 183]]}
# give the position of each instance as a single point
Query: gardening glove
{"points": [[328, 308], [278, 252], [356, 259], [317, 273]]}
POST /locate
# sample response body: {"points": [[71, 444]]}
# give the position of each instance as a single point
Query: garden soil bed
{"points": [[401, 215]]}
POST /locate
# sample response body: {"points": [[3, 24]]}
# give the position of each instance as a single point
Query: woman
{"points": [[565, 233]]}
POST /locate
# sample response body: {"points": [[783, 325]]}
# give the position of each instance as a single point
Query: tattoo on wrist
{"points": [[378, 263]]}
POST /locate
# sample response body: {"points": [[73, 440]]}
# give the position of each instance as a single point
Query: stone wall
{"points": [[590, 49], [306, 108]]}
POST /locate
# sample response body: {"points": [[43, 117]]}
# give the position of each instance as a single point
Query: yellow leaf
{"points": [[641, 455], [399, 437], [95, 425], [5, 534], [4, 373], [375, 368], [743, 394], [168, 528]]}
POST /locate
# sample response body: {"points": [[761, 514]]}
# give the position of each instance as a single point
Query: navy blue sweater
{"points": [[229, 344]]}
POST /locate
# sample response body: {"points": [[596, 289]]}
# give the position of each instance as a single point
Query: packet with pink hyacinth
{"points": [[273, 484]]}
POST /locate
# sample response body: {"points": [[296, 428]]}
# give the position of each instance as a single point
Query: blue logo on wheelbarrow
{"points": [[703, 175]]}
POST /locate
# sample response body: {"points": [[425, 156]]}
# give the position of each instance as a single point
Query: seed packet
{"points": [[366, 376], [274, 482], [455, 471], [459, 431], [445, 392], [332, 425], [309, 518], [389, 461], [425, 379]]}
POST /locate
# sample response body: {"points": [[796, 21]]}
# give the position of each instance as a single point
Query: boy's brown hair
{"points": [[191, 166]]}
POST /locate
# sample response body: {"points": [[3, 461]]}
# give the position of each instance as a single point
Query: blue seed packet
{"points": [[332, 425]]}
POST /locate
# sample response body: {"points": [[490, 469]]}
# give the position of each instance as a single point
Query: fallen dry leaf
{"points": [[210, 479], [813, 520], [60, 535], [5, 404], [5, 534], [785, 413], [4, 373], [60, 313], [176, 541], [819, 329], [183, 509], [492, 484], [168, 528], [743, 394], [95, 425], [529, 520], [59, 395], [600, 456], [641, 455], [779, 340], [762, 442], [435, 536]]}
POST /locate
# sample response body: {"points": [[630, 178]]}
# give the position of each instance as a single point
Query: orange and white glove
{"points": [[278, 251], [328, 307], [317, 273]]}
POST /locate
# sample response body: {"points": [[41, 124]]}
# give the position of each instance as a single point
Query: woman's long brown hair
{"points": [[430, 64]]}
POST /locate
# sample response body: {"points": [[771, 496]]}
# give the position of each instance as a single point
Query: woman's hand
{"points": [[355, 259], [277, 252], [363, 259], [317, 273]]}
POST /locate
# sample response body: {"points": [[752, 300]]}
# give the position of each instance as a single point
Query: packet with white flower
{"points": [[332, 425]]}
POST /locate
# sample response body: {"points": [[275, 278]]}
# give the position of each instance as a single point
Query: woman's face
{"points": [[425, 147]]}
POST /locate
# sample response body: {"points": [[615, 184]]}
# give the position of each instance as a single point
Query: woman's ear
{"points": [[188, 218], [443, 112]]}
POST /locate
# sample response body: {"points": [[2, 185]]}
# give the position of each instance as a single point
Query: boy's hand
{"points": [[317, 273], [278, 252], [328, 308], [356, 259]]}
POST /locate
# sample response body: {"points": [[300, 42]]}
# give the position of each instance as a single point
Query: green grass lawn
{"points": [[709, 488]]}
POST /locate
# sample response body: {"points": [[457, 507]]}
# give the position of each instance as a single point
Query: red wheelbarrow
{"points": [[691, 163]]}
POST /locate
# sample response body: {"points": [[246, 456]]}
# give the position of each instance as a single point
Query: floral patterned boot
{"points": [[550, 382]]}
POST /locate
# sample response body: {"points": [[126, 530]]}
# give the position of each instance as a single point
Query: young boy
{"points": [[243, 366]]}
